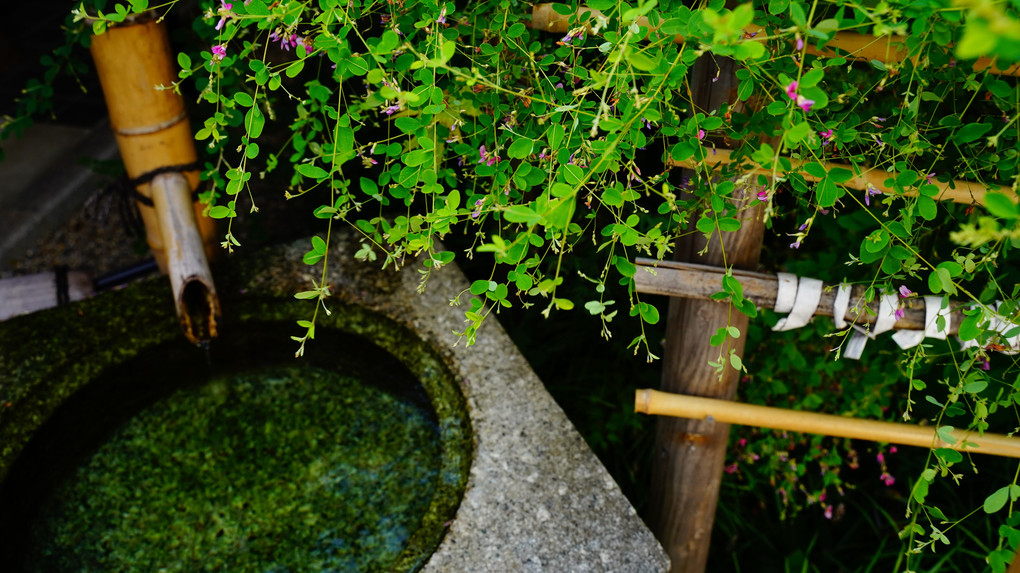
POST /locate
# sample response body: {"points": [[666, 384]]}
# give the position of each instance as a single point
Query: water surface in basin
{"points": [[323, 464]]}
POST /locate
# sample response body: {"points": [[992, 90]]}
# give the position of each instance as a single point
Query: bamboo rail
{"points": [[650, 401], [861, 47], [956, 191], [687, 280], [154, 136]]}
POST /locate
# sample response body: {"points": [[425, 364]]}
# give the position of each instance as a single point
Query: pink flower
{"points": [[800, 43], [826, 136], [791, 90], [930, 177], [828, 512], [732, 468], [887, 479], [701, 134], [905, 292], [219, 51], [892, 449], [392, 109], [763, 195], [898, 314], [225, 12], [881, 458], [478, 208]]}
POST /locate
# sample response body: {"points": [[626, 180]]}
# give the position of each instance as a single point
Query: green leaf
{"points": [[920, 491], [243, 99], [934, 283], [555, 136], [827, 193], [407, 124], [997, 500], [219, 212], [969, 329], [479, 287], [254, 121], [520, 148], [312, 171], [184, 61], [797, 133], [318, 245], [945, 433], [811, 78], [648, 313], [308, 294], [1000, 205], [521, 214], [840, 174], [971, 131], [357, 65]]}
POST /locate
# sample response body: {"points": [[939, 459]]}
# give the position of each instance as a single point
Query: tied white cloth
{"points": [[805, 292], [933, 309], [888, 303]]}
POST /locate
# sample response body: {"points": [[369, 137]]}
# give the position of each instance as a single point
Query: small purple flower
{"points": [[930, 177], [905, 292], [826, 136], [898, 314], [478, 208], [985, 365], [392, 109], [828, 512], [481, 153], [887, 479], [870, 192], [805, 103], [441, 19], [795, 245], [763, 195], [219, 51], [800, 43], [803, 226]]}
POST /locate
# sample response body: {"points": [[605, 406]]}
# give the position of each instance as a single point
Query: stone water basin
{"points": [[497, 479]]}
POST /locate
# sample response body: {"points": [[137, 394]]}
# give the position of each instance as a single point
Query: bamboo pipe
{"points": [[198, 307], [150, 124], [650, 401], [861, 47], [687, 280], [959, 192], [153, 133]]}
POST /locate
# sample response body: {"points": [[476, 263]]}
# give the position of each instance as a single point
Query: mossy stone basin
{"points": [[123, 448]]}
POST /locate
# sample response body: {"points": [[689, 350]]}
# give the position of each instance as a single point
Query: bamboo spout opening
{"points": [[195, 298]]}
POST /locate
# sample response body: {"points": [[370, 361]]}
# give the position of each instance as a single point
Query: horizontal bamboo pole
{"points": [[650, 401], [198, 307], [862, 47], [957, 191], [30, 293], [687, 280]]}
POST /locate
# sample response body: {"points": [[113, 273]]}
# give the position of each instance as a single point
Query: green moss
{"points": [[291, 468], [52, 358]]}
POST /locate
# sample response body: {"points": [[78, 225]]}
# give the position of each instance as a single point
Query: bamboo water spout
{"points": [[135, 66]]}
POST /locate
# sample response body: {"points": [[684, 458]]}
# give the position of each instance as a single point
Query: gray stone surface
{"points": [[537, 498]]}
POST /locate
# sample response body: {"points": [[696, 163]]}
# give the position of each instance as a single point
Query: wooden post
{"points": [[689, 454], [151, 125]]}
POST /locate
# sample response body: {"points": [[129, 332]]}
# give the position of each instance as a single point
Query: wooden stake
{"points": [[650, 401], [861, 47], [687, 280], [955, 191], [689, 455], [198, 307]]}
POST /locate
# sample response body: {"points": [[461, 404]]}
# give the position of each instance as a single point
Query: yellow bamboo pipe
{"points": [[863, 47], [960, 192], [152, 131], [650, 401], [151, 125]]}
